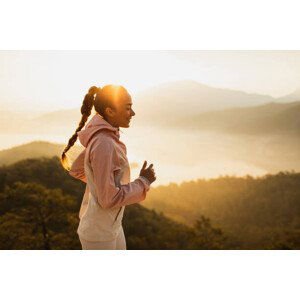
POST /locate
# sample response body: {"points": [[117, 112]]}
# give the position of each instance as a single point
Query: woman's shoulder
{"points": [[103, 141]]}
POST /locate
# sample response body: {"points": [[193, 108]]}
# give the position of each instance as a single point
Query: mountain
{"points": [[170, 100], [18, 122], [45, 123], [271, 118], [35, 150], [295, 96], [11, 119], [56, 123], [60, 118], [161, 105]]}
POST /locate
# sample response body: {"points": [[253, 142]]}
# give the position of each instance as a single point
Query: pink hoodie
{"points": [[104, 167]]}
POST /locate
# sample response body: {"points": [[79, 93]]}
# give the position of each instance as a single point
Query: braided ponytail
{"points": [[86, 109]]}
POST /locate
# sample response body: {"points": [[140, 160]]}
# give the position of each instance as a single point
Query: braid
{"points": [[86, 109]]}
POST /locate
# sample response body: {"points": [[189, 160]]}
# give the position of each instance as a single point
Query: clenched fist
{"points": [[148, 172]]}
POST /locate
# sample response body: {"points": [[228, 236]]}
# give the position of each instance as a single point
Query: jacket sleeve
{"points": [[105, 163], [77, 169]]}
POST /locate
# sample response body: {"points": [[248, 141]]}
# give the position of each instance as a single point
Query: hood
{"points": [[97, 123]]}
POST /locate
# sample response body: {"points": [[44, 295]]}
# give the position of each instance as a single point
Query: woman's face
{"points": [[121, 115]]}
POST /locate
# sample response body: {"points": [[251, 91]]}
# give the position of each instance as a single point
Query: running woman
{"points": [[104, 167]]}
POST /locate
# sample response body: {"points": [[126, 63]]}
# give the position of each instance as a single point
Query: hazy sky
{"points": [[51, 80]]}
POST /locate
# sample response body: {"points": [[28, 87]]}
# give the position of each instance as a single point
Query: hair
{"points": [[100, 99]]}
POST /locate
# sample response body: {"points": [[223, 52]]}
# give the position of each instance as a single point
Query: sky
{"points": [[54, 80]]}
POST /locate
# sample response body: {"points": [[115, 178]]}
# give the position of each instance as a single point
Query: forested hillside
{"points": [[259, 213], [39, 204]]}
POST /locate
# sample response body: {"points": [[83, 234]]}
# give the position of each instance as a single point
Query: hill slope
{"points": [[258, 211], [39, 205], [34, 150]]}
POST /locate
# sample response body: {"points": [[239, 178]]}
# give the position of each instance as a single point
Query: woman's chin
{"points": [[127, 125]]}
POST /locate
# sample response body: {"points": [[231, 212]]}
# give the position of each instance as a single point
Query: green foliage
{"points": [[145, 229], [44, 171], [208, 237], [255, 213], [33, 217], [39, 204], [38, 210]]}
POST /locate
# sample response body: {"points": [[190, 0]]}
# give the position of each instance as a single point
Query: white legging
{"points": [[117, 244]]}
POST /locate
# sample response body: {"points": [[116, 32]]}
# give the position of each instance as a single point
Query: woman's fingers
{"points": [[150, 167], [144, 165]]}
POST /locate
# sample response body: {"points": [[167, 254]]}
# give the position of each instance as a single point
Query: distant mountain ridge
{"points": [[169, 100], [160, 105], [60, 117], [271, 118], [173, 95], [295, 96]]}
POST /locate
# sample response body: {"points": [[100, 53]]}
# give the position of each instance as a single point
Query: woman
{"points": [[104, 167]]}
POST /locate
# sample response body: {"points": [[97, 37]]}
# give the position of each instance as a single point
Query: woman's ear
{"points": [[109, 111]]}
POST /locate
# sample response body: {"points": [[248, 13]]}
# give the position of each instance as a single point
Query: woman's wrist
{"points": [[145, 179]]}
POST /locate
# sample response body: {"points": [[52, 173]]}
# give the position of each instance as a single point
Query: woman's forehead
{"points": [[126, 100]]}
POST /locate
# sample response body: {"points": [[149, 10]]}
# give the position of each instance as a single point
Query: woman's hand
{"points": [[148, 172]]}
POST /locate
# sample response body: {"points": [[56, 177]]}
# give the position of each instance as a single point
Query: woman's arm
{"points": [[104, 163], [77, 169]]}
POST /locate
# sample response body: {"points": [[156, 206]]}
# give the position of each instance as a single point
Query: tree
{"points": [[207, 237], [33, 217]]}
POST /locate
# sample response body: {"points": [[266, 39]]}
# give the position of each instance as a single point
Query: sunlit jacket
{"points": [[104, 167]]}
